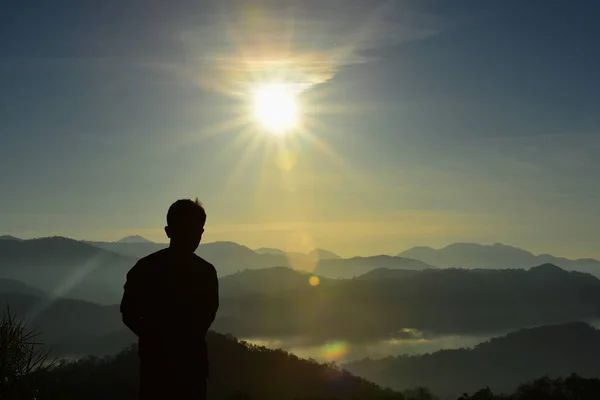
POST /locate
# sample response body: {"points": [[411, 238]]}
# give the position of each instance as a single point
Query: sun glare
{"points": [[275, 108]]}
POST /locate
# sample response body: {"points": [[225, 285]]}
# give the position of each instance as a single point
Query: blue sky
{"points": [[426, 122]]}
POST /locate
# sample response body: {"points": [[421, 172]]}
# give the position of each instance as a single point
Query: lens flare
{"points": [[314, 281], [335, 350]]}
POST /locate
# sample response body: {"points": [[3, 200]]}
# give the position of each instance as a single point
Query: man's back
{"points": [[170, 301]]}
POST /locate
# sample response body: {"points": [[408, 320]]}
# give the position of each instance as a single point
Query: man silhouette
{"points": [[171, 298]]}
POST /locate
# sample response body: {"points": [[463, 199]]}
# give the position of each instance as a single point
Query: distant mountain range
{"points": [[134, 239], [378, 305], [132, 249], [281, 302], [9, 237], [68, 326], [319, 254], [65, 268], [356, 266], [501, 363], [496, 256], [95, 271], [267, 281], [10, 286], [228, 257]]}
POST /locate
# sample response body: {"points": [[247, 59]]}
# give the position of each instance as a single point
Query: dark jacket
{"points": [[169, 302]]}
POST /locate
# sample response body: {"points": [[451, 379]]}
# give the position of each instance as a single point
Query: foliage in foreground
{"points": [[22, 359], [572, 388]]}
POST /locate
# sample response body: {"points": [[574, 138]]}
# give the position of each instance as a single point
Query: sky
{"points": [[422, 122]]}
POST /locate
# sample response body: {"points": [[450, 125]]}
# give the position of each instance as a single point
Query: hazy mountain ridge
{"points": [[439, 301], [96, 271], [279, 302], [229, 257], [388, 273], [443, 300], [496, 256], [135, 250], [134, 239], [274, 251], [10, 237], [356, 266], [266, 281], [64, 267], [61, 321], [501, 363], [11, 286], [321, 254]]}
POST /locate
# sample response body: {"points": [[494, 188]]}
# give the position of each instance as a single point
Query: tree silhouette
{"points": [[572, 388]]}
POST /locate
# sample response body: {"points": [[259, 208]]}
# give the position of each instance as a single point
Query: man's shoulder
{"points": [[157, 256], [148, 262], [202, 263]]}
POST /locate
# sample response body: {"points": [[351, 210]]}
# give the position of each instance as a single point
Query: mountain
{"points": [[501, 363], [379, 305], [95, 271], [280, 303], [271, 251], [278, 252], [237, 371], [351, 267], [266, 281], [496, 256], [134, 239], [134, 250], [472, 255], [319, 254], [65, 268], [63, 323], [230, 258], [9, 237], [10, 286], [388, 273], [322, 254]]}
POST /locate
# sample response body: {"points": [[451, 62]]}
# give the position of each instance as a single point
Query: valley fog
{"points": [[342, 351]]}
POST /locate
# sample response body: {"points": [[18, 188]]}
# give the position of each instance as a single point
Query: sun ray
{"points": [[250, 151]]}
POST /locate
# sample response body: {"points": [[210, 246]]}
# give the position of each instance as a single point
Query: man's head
{"points": [[185, 224]]}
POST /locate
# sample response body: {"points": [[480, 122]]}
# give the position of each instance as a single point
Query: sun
{"points": [[275, 108]]}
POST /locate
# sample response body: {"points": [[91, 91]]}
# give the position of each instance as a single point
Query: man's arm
{"points": [[130, 304], [213, 303], [209, 302]]}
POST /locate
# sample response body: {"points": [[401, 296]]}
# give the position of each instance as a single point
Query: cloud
{"points": [[305, 44]]}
